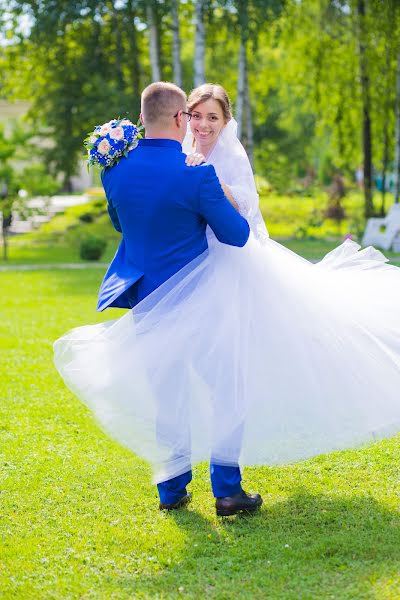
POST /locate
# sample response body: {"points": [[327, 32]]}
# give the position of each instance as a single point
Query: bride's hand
{"points": [[195, 159]]}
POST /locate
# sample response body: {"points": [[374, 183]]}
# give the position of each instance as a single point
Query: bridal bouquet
{"points": [[108, 143]]}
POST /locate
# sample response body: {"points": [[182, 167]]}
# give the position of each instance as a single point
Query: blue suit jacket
{"points": [[162, 208]]}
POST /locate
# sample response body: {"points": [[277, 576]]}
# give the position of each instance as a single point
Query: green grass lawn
{"points": [[79, 517]]}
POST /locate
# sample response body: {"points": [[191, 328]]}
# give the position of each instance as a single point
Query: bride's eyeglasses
{"points": [[188, 115]]}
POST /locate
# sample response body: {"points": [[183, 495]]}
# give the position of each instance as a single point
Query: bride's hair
{"points": [[211, 90]]}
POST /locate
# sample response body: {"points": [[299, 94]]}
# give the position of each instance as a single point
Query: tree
{"points": [[366, 106], [8, 187], [154, 35], [397, 159], [33, 179], [332, 51], [243, 103], [134, 54], [300, 73], [176, 44], [77, 85], [241, 86], [390, 30], [250, 16], [199, 43]]}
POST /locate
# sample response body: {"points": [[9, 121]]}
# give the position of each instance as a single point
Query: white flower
{"points": [[105, 129], [92, 139], [126, 122], [104, 147], [117, 133], [133, 144]]}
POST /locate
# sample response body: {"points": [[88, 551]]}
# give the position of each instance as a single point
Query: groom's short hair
{"points": [[161, 101]]}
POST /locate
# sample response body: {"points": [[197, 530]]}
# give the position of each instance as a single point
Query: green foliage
{"points": [[92, 248], [91, 61], [36, 180], [314, 220], [87, 70], [7, 173]]}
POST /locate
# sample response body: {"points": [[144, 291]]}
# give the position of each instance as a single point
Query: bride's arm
{"points": [[194, 159], [229, 195], [242, 189]]}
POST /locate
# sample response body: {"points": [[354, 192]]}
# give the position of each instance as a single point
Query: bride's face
{"points": [[207, 123]]}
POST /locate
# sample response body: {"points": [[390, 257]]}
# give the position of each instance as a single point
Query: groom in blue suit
{"points": [[162, 208]]}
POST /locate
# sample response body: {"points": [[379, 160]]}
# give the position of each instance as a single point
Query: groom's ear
{"points": [[141, 119], [179, 118]]}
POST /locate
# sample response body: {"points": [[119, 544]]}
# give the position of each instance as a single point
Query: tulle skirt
{"points": [[247, 355]]}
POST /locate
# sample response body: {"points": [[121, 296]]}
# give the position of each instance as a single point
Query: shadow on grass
{"points": [[304, 547]]}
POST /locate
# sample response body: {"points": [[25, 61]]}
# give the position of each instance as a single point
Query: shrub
{"points": [[313, 220], [356, 225], [92, 248], [86, 217], [100, 203]]}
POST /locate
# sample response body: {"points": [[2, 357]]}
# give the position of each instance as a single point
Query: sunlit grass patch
{"points": [[79, 516]]}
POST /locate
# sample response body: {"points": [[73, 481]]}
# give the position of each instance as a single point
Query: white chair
{"points": [[384, 232]]}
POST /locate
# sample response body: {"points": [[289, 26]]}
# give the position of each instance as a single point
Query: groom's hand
{"points": [[192, 160]]}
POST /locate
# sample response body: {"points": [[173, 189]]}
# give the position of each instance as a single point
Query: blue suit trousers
{"points": [[225, 481]]}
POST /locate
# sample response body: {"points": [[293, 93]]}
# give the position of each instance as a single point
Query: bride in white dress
{"points": [[247, 354]]}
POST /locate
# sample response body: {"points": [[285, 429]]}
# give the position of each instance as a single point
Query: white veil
{"points": [[232, 165]]}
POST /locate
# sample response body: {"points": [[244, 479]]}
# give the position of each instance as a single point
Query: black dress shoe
{"points": [[242, 502], [181, 502]]}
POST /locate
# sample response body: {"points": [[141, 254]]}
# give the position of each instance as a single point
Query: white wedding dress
{"points": [[251, 355]]}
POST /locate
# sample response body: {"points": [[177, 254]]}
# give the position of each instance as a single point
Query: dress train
{"points": [[251, 355]]}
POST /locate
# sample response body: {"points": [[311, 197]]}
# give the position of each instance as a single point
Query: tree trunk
{"points": [[397, 159], [249, 123], [199, 43], [67, 184], [134, 59], [98, 55], [5, 245], [67, 169], [6, 220], [366, 107], [385, 163], [390, 19], [153, 42], [176, 43], [385, 157], [118, 58], [244, 115], [241, 87]]}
